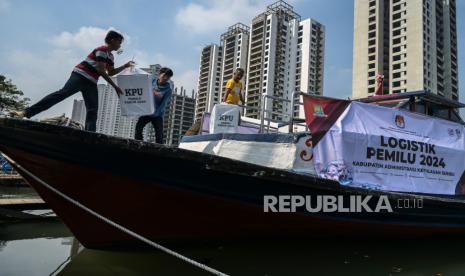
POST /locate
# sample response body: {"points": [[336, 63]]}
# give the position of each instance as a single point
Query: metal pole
{"points": [[262, 113], [269, 121], [291, 120]]}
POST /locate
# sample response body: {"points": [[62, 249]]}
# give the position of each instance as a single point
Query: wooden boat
{"points": [[94, 182]]}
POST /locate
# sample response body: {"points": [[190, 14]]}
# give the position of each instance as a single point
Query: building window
{"points": [[396, 16]]}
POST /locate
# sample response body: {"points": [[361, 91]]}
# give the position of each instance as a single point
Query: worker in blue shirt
{"points": [[162, 92]]}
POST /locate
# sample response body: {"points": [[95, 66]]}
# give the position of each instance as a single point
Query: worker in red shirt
{"points": [[84, 78]]}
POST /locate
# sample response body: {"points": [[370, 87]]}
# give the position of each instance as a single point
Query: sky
{"points": [[41, 41]]}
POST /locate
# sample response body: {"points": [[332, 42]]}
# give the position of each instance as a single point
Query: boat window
{"points": [[420, 107]]}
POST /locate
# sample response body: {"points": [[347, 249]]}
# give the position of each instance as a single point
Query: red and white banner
{"points": [[366, 145]]}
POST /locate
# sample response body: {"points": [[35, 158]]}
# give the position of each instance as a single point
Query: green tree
{"points": [[10, 96]]}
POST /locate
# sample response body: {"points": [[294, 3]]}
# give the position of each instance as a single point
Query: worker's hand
{"points": [[129, 64], [119, 91]]}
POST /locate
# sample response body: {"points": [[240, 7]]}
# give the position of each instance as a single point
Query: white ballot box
{"points": [[137, 98], [225, 118]]}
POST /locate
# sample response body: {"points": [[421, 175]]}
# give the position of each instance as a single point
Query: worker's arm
{"points": [[241, 96], [101, 69], [113, 71], [228, 90]]}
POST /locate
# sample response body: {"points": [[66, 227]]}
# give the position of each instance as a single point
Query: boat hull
{"points": [[169, 194]]}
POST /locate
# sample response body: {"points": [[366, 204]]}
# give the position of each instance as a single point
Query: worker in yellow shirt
{"points": [[233, 92]]}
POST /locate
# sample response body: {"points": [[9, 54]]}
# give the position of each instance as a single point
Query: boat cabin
{"points": [[421, 102]]}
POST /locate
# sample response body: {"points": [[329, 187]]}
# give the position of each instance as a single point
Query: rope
{"points": [[58, 269], [118, 226]]}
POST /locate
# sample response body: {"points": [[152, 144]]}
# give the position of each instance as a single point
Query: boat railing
{"points": [[266, 114], [269, 112]]}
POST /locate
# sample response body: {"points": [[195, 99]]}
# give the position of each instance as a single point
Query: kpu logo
{"points": [[400, 122], [133, 92]]}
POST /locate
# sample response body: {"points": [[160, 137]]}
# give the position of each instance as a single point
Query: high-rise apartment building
{"points": [[108, 114], [235, 46], [310, 60], [209, 85], [412, 43], [178, 117], [79, 112], [280, 54], [109, 119], [272, 59]]}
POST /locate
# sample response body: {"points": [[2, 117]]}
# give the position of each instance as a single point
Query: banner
{"points": [[389, 149], [137, 98], [321, 113]]}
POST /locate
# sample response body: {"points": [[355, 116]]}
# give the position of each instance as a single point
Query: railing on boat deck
{"points": [[266, 114], [293, 103]]}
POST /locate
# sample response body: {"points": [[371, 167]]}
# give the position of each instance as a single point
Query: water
{"points": [[17, 192], [47, 247]]}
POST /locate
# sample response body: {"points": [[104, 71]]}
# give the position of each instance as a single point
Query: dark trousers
{"points": [[157, 123], [75, 83]]}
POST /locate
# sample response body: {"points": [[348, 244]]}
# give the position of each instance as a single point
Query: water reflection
{"points": [[420, 257], [48, 248], [33, 248]]}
